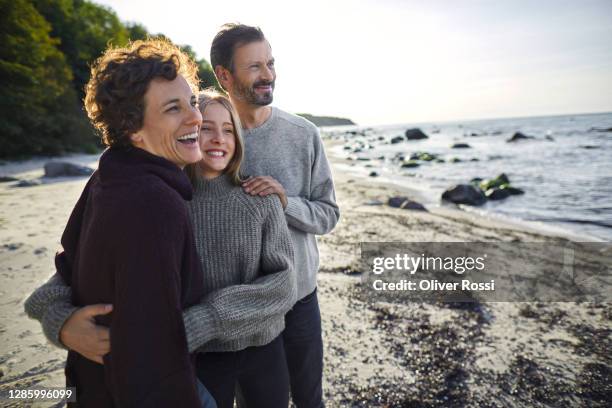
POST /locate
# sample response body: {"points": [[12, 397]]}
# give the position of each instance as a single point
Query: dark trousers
{"points": [[259, 372], [304, 351]]}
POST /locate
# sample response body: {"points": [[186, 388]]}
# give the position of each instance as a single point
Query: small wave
{"points": [[598, 223]]}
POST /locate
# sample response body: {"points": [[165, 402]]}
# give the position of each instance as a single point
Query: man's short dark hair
{"points": [[231, 36]]}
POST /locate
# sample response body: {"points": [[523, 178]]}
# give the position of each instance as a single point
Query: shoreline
{"points": [[345, 170]]}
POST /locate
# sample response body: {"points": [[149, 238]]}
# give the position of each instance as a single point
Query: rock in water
{"points": [[464, 194], [415, 134], [596, 129], [409, 164], [397, 139], [496, 193], [498, 181], [513, 190], [460, 146], [373, 174], [519, 136], [65, 169]]}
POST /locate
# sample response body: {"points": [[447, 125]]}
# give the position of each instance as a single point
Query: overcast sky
{"points": [[398, 61]]}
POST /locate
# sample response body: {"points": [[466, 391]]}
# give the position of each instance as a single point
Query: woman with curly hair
{"points": [[129, 241]]}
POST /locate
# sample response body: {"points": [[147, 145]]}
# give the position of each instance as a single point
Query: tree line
{"points": [[46, 48]]}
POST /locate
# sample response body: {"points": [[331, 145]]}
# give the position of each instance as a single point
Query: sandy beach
{"points": [[377, 354]]}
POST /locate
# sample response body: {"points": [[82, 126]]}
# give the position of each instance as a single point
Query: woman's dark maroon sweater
{"points": [[129, 241]]}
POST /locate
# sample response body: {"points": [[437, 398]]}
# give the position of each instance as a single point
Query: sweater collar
{"points": [[264, 127], [121, 164], [214, 188]]}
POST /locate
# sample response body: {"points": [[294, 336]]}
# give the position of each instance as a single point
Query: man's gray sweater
{"points": [[247, 258], [289, 149]]}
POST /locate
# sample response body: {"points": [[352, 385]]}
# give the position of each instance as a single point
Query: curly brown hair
{"points": [[114, 95]]}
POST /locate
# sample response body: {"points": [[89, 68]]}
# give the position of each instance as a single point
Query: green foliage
{"points": [[46, 49], [205, 71], [136, 31], [85, 30], [39, 109]]}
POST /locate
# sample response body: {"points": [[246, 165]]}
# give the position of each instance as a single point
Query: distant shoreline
{"points": [[320, 121]]}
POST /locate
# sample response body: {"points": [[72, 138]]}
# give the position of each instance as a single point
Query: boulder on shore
{"points": [[6, 179], [415, 134], [464, 194], [66, 169], [397, 139]]}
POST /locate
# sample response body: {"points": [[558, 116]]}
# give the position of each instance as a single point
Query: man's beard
{"points": [[248, 94]]}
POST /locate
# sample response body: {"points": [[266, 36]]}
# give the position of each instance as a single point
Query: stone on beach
{"points": [[464, 194], [405, 203], [415, 134], [66, 169], [27, 183], [6, 179]]}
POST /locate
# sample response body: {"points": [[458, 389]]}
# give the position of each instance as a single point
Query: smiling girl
{"points": [[244, 245]]}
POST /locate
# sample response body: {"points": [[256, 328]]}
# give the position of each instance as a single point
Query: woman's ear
{"points": [[136, 138]]}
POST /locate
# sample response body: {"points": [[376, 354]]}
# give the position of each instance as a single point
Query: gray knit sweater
{"points": [[247, 257], [289, 149]]}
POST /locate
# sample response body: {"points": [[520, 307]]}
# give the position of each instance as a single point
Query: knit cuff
{"points": [[201, 325], [37, 304], [293, 207], [54, 319]]}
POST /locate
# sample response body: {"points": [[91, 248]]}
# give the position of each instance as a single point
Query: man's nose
{"points": [[268, 74]]}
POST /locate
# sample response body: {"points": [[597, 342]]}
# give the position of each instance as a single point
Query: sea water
{"points": [[565, 170]]}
